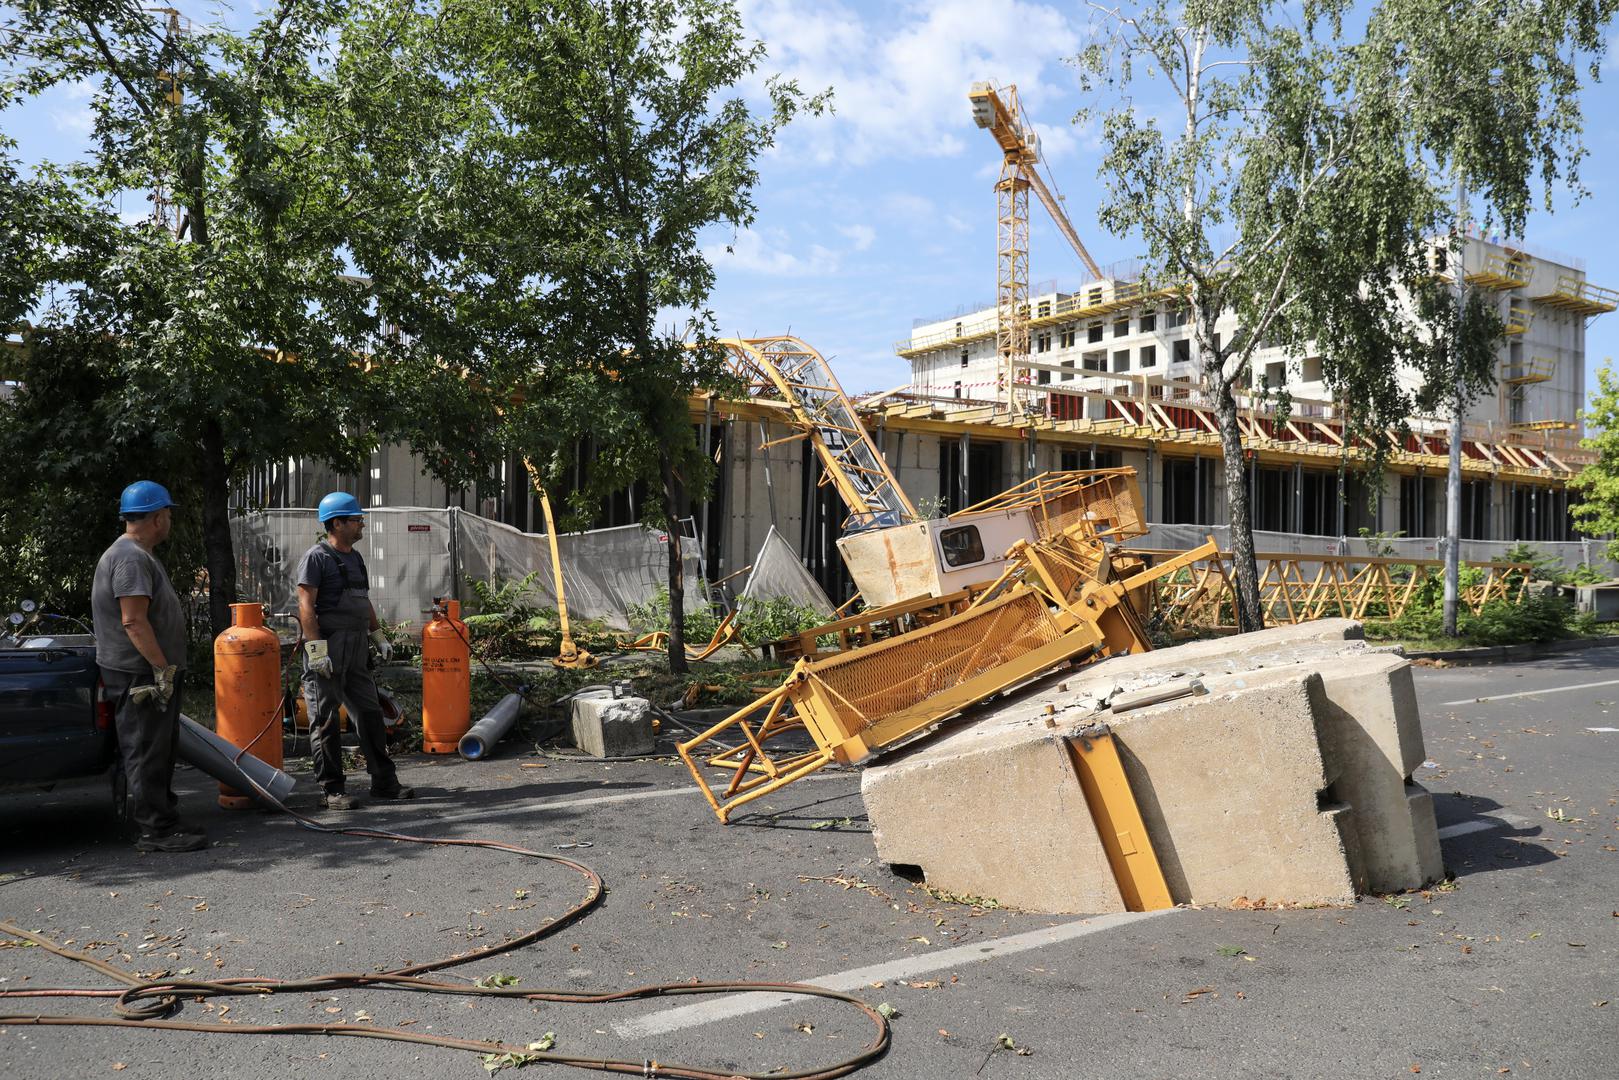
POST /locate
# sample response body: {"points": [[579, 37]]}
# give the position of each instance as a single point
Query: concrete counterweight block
{"points": [[1372, 733], [1002, 817], [1289, 780], [608, 726]]}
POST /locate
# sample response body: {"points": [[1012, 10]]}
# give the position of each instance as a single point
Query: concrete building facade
{"points": [[1111, 383]]}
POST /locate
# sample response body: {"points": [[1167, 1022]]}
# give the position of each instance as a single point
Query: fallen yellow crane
{"points": [[1042, 613]]}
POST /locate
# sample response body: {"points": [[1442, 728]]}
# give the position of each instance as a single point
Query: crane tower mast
{"points": [[999, 111]]}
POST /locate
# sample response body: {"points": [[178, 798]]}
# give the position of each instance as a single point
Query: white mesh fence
{"points": [[415, 555], [605, 572], [778, 571]]}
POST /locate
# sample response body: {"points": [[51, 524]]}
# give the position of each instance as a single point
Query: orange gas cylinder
{"points": [[446, 680], [392, 714], [247, 692]]}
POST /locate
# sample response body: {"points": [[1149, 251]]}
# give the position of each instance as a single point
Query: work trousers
{"points": [[148, 737], [350, 686]]}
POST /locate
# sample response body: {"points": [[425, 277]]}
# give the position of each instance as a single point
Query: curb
{"points": [[1531, 650]]}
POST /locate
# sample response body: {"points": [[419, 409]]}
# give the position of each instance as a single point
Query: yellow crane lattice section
{"points": [[786, 367], [1300, 588]]}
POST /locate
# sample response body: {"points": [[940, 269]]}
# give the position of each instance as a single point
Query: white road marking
{"points": [[1487, 821], [1466, 827], [1534, 693], [1602, 730], [686, 1016]]}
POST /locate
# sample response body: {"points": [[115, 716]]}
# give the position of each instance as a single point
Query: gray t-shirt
{"points": [[127, 569], [342, 592]]}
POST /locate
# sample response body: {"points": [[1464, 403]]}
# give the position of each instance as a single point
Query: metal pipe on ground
{"points": [[229, 764], [482, 737]]}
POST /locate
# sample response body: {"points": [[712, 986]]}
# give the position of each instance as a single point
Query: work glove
{"points": [[385, 649], [318, 659], [161, 689]]}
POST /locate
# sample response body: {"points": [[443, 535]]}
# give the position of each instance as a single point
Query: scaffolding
{"points": [[1579, 296], [1501, 270]]}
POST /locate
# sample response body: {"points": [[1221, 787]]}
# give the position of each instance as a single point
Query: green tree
{"points": [[1491, 98], [1597, 512], [225, 332], [1304, 180], [603, 139]]}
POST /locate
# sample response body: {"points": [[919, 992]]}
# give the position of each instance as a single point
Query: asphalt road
{"points": [[1510, 970]]}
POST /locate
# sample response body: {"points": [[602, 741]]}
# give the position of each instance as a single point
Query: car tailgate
{"points": [[48, 717]]}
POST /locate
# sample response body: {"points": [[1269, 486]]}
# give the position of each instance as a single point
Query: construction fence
{"points": [[418, 554]]}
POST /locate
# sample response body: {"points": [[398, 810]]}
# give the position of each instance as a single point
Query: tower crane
{"points": [[998, 110]]}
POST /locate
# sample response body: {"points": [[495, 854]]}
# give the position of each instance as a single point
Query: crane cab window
{"points": [[962, 546]]}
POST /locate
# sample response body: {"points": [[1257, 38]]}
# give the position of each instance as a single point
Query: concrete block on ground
{"points": [[1230, 786], [1371, 737], [1236, 795], [605, 726], [1002, 817], [1289, 780]]}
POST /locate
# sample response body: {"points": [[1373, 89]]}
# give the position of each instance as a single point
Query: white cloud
{"points": [[765, 252], [1058, 141], [901, 91], [908, 205], [861, 236], [76, 121]]}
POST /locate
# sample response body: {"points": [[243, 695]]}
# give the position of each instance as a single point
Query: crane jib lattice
{"points": [[787, 368]]}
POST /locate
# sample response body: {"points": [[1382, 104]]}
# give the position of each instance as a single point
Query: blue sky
{"points": [[884, 212]]}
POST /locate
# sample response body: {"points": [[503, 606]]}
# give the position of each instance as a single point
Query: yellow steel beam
{"points": [[1118, 821]]}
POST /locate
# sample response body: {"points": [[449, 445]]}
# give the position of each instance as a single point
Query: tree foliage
{"points": [[471, 225], [597, 142], [234, 340], [1597, 512], [1305, 171]]}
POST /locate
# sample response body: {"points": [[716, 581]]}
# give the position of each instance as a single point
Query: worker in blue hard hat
{"points": [[334, 608], [141, 649]]}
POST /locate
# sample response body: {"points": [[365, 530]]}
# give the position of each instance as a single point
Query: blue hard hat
{"points": [[144, 497], [339, 504]]}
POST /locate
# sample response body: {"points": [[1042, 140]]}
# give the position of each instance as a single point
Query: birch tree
{"points": [[1299, 177]]}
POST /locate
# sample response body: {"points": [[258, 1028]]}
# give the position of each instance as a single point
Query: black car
{"points": [[55, 723]]}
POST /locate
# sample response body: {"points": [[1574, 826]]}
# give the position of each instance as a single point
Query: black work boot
{"points": [[398, 791], [178, 840]]}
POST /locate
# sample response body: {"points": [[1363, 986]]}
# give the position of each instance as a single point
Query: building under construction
{"points": [[1111, 382]]}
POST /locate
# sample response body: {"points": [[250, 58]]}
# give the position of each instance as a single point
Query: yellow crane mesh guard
{"points": [[869, 685], [1102, 503], [854, 703]]}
